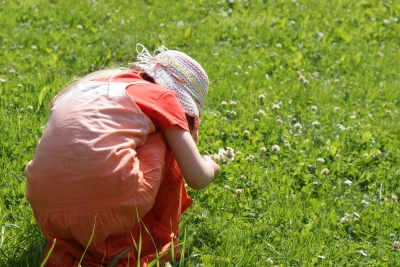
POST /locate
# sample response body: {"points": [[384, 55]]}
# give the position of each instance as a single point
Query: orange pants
{"points": [[107, 231]]}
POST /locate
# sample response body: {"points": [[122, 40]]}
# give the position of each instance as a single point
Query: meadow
{"points": [[305, 92]]}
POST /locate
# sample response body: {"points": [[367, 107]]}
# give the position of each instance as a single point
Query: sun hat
{"points": [[176, 71]]}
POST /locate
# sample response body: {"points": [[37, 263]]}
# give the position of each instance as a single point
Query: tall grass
{"points": [[317, 79]]}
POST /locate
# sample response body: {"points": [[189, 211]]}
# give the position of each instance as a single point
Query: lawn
{"points": [[305, 93]]}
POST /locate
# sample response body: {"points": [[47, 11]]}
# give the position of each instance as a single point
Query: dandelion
{"points": [[263, 150], [320, 160], [224, 103], [313, 108], [325, 171], [396, 244], [276, 107], [261, 97], [298, 126], [275, 148]]}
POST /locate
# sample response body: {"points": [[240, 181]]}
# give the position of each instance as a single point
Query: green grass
{"points": [[288, 214]]}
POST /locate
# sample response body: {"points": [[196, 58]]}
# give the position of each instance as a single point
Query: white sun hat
{"points": [[177, 71]]}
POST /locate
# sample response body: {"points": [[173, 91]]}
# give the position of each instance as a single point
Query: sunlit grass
{"points": [[305, 92]]}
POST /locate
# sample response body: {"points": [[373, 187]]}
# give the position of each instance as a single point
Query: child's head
{"points": [[177, 71]]}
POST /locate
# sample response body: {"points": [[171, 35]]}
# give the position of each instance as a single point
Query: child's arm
{"points": [[198, 171]]}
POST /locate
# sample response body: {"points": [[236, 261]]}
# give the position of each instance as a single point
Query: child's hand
{"points": [[213, 164]]}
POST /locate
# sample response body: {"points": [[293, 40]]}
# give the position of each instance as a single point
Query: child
{"points": [[108, 168]]}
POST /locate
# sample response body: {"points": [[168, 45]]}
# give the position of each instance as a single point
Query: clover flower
{"points": [[298, 126], [233, 103], [261, 112], [224, 156], [261, 97], [396, 244], [263, 150], [313, 108], [239, 192], [320, 160], [287, 144], [246, 132], [276, 107], [325, 171], [275, 148], [224, 103]]}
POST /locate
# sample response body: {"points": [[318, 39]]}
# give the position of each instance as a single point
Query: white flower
{"points": [[320, 35], [2, 80], [379, 54], [275, 148], [269, 261], [263, 149], [298, 126], [250, 158], [80, 27], [276, 107], [227, 187], [320, 160], [30, 108], [224, 103], [337, 156], [336, 109], [348, 182], [396, 244], [362, 253], [364, 202], [315, 123], [279, 45], [261, 97], [325, 171], [34, 47], [239, 192], [287, 144], [246, 132], [394, 198], [233, 103], [261, 112], [313, 108], [320, 257]]}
